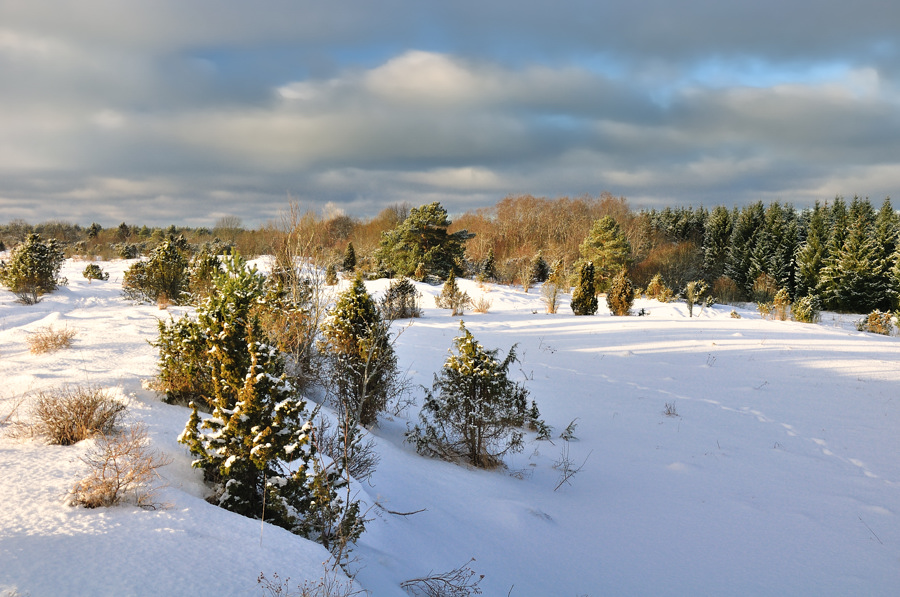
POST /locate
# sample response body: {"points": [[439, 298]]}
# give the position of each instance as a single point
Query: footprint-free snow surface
{"points": [[775, 472]]}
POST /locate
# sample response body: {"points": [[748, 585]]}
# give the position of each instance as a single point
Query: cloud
{"points": [[166, 111]]}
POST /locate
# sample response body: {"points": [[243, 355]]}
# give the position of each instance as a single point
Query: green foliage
{"points": [[620, 296], [877, 323], [93, 272], [400, 300], [423, 238], [349, 262], [607, 248], [488, 268], [164, 276], [781, 305], [584, 298], [474, 410], [452, 297], [855, 277], [658, 290], [202, 271], [806, 309], [363, 367], [33, 269], [540, 271]]}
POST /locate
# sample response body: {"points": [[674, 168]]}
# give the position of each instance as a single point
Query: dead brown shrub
{"points": [[70, 414], [122, 469], [47, 339]]}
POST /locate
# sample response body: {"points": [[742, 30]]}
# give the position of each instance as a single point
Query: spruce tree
{"points": [[452, 297], [811, 254], [540, 271], [748, 225], [716, 240], [852, 279], [584, 297]]}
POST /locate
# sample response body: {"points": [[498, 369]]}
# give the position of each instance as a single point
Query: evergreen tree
{"points": [[474, 409], [716, 241], [584, 297], [852, 278], [349, 262], [607, 248], [620, 297], [746, 232], [423, 238], [363, 366], [539, 269], [33, 268], [452, 297], [164, 276], [488, 267], [811, 255]]}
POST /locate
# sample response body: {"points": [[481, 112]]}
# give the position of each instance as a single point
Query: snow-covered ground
{"points": [[779, 475]]}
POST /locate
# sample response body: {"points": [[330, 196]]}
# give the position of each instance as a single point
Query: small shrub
{"points": [[694, 294], [360, 459], [806, 309], [401, 300], [658, 290], [734, 314], [331, 278], [165, 274], [876, 323], [94, 272], [765, 309], [726, 290], [330, 585], [459, 582], [122, 469], [482, 304], [781, 305], [74, 413], [33, 269], [452, 297], [47, 339], [550, 294], [670, 410], [764, 288], [202, 271], [474, 409], [620, 296]]}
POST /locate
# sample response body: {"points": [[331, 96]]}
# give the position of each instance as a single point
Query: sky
{"points": [[187, 111]]}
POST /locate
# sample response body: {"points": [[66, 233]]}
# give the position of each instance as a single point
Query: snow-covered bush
{"points": [[94, 272], [658, 290], [474, 411], [33, 269], [806, 309], [164, 276], [452, 297], [781, 305], [401, 300], [694, 294], [876, 323]]}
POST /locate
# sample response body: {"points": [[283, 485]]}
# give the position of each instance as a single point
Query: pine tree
{"points": [[540, 271], [349, 262], [363, 366], [745, 234], [607, 248], [488, 267], [620, 296], [474, 409], [584, 298]]}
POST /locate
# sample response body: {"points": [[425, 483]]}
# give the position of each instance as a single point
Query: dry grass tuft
{"points": [[47, 339], [122, 470], [73, 413], [481, 304]]}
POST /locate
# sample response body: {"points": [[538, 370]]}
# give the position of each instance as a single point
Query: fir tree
{"points": [[363, 364], [607, 248], [745, 234], [584, 298], [852, 279], [474, 409], [488, 267]]}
